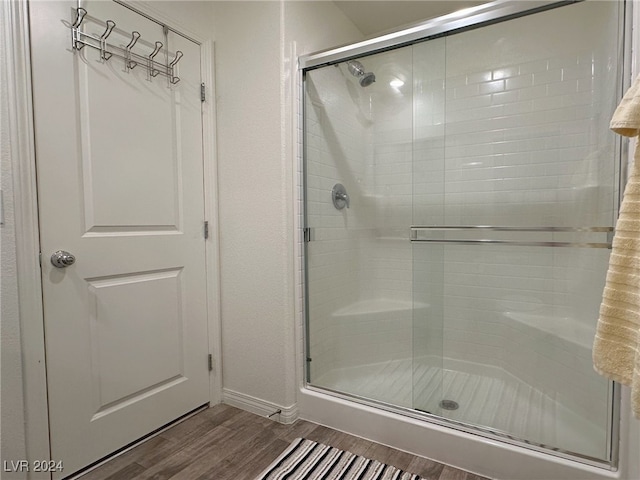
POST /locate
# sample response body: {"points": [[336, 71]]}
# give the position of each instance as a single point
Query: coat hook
{"points": [[107, 32], [152, 70], [134, 38], [81, 13], [75, 33], [103, 40], [172, 78]]}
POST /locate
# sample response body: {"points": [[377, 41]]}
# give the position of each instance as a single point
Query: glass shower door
{"points": [[358, 170], [518, 237], [460, 195]]}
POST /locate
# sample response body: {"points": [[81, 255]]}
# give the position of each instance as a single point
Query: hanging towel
{"points": [[616, 348]]}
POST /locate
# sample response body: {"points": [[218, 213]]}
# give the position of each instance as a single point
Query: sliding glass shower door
{"points": [[529, 188], [459, 212], [358, 171]]}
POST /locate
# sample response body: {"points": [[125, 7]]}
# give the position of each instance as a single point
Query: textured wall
{"points": [[252, 237], [12, 437], [256, 44]]}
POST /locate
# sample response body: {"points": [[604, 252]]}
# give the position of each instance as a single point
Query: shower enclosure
{"points": [[461, 186]]}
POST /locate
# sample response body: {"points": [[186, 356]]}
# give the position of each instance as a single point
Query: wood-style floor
{"points": [[225, 443]]}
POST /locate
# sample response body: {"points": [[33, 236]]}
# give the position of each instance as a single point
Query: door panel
{"points": [[120, 185], [123, 312]]}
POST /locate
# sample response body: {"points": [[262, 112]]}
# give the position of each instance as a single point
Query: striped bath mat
{"points": [[308, 460]]}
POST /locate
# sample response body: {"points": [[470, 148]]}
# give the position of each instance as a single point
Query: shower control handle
{"points": [[344, 197], [339, 196]]}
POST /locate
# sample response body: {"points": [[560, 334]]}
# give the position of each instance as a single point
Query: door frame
{"points": [[16, 46]]}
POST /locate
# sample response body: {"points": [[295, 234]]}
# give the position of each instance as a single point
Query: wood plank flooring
{"points": [[226, 443]]}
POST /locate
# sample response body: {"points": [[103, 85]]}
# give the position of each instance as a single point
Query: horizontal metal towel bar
{"points": [[522, 243], [513, 229]]}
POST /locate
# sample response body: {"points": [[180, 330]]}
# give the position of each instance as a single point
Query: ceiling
{"points": [[374, 17]]}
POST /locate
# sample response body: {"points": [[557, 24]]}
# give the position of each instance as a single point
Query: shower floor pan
{"points": [[495, 400]]}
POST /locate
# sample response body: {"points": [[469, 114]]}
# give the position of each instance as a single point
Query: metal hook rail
{"points": [[80, 39]]}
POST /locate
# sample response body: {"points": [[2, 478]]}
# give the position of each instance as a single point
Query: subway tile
{"points": [[505, 72], [520, 81], [479, 77], [576, 71], [518, 108], [586, 85], [492, 87], [545, 77], [530, 93], [502, 98], [455, 81], [469, 102], [562, 88], [534, 66], [471, 90]]}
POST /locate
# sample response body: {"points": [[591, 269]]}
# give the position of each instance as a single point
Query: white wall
{"points": [[256, 48], [12, 429], [252, 238]]}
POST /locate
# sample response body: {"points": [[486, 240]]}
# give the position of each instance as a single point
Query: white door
{"points": [[120, 185]]}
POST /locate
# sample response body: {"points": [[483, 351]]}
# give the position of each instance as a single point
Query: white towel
{"points": [[616, 348]]}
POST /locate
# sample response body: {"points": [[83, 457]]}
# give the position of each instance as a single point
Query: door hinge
{"points": [[210, 362], [40, 259], [202, 92], [206, 229], [307, 234]]}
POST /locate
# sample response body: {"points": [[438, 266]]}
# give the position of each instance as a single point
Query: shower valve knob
{"points": [[340, 196]]}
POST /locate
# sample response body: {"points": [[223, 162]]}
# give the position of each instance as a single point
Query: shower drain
{"points": [[449, 405]]}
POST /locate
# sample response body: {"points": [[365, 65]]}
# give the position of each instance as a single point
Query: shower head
{"points": [[367, 79], [357, 70]]}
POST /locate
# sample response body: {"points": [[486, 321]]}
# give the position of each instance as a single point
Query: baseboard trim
{"points": [[260, 407]]}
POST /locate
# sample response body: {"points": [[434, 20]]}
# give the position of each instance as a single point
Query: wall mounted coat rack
{"points": [[80, 39]]}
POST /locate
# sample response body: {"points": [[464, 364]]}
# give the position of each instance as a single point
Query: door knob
{"points": [[62, 259]]}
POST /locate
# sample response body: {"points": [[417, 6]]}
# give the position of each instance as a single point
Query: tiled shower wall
{"points": [[514, 132]]}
